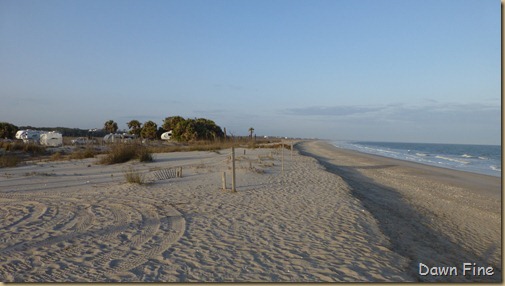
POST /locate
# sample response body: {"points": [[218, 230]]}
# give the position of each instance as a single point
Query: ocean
{"points": [[481, 159]]}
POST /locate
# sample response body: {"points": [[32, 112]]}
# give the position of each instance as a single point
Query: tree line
{"points": [[183, 129]]}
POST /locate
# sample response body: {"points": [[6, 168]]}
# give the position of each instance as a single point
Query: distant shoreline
{"points": [[472, 171]]}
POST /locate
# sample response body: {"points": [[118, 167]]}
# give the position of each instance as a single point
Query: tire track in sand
{"points": [[100, 235]]}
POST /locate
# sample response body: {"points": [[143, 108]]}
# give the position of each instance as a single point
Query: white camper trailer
{"points": [[166, 135], [19, 134], [53, 139], [111, 138], [114, 138], [126, 138], [29, 135]]}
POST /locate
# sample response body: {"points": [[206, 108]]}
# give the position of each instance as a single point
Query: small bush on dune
{"points": [[88, 153], [83, 154], [134, 177], [56, 156], [4, 145], [9, 161], [144, 155], [121, 153], [31, 148], [15, 146], [34, 148]]}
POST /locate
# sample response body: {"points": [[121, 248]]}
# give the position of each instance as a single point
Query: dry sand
{"points": [[435, 216], [368, 219]]}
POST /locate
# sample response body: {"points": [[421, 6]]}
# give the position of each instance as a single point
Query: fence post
{"points": [[233, 169], [282, 156], [223, 179]]}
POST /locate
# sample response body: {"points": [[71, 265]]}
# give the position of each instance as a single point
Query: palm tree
{"points": [[7, 130], [149, 130], [251, 130], [110, 126], [135, 127], [171, 122]]}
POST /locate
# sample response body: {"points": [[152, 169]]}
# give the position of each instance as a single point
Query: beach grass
{"points": [[30, 148], [144, 155], [120, 153], [133, 176], [88, 152], [215, 146], [124, 152], [9, 161]]}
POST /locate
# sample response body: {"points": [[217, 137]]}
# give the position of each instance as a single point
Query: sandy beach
{"points": [[435, 216], [317, 214]]}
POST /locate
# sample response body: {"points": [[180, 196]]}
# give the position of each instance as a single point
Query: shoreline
{"points": [[481, 172], [450, 175], [432, 215]]}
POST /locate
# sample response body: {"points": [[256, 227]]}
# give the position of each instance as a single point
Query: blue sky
{"points": [[382, 70]]}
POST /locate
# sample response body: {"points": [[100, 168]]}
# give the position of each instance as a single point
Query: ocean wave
{"points": [[382, 151], [467, 156], [452, 159], [480, 159], [495, 168]]}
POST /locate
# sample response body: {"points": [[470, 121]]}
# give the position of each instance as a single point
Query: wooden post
{"points": [[244, 151], [291, 150], [180, 172], [233, 169], [224, 181], [282, 156]]}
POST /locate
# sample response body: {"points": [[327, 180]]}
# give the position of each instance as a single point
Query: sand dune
{"points": [[77, 221]]}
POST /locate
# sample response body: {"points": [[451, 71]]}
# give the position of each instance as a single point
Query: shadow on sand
{"points": [[407, 228]]}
